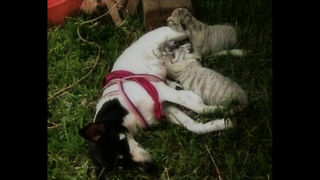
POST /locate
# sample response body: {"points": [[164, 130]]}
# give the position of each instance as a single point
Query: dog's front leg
{"points": [[176, 116], [141, 159]]}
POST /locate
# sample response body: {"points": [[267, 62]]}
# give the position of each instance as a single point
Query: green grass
{"points": [[244, 152]]}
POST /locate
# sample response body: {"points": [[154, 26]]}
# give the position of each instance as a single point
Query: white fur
{"points": [[234, 52], [141, 58], [138, 154], [121, 136]]}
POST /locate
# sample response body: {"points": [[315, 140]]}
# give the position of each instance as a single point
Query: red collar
{"points": [[120, 76]]}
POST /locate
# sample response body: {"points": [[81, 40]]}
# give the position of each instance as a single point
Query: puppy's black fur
{"points": [[105, 144]]}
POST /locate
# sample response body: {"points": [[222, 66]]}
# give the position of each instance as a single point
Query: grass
{"points": [[244, 152]]}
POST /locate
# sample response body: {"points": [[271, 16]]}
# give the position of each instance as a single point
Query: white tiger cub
{"points": [[211, 86], [208, 40]]}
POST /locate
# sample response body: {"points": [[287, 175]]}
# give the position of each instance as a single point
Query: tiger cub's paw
{"points": [[178, 87], [239, 52]]}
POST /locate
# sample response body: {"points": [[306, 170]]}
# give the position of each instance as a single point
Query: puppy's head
{"points": [[109, 145]]}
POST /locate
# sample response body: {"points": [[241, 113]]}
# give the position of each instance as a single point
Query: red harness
{"points": [[120, 76]]}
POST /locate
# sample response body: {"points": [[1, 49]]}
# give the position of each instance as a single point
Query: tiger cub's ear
{"points": [[92, 132]]}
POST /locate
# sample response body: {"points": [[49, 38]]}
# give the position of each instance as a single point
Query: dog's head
{"points": [[111, 146]]}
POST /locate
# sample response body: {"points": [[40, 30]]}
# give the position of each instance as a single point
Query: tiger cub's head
{"points": [[180, 19], [184, 54], [181, 57]]}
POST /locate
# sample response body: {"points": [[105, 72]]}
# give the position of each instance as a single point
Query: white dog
{"points": [[125, 106]]}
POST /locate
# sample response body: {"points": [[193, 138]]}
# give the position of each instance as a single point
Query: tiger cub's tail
{"points": [[243, 103]]}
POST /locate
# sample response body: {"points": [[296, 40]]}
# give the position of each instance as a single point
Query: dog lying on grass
{"points": [[126, 106]]}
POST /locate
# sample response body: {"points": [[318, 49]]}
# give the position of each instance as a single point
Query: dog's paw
{"points": [[228, 124]]}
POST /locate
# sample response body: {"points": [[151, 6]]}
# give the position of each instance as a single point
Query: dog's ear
{"points": [[92, 132]]}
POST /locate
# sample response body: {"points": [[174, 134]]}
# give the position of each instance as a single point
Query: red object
{"points": [[144, 81], [58, 9]]}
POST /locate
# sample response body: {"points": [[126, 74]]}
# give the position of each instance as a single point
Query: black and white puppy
{"points": [[111, 135]]}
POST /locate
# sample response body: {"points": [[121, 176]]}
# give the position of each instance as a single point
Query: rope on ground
{"points": [[96, 61]]}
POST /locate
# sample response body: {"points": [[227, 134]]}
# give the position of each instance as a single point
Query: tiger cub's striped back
{"points": [[208, 40], [214, 88]]}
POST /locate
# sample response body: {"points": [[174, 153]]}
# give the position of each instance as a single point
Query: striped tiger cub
{"points": [[211, 86], [208, 40]]}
